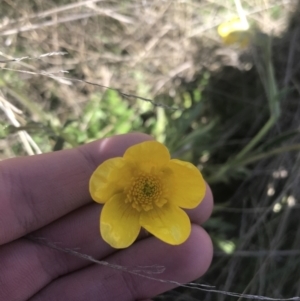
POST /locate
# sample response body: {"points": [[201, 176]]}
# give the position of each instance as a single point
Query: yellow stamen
{"points": [[145, 190]]}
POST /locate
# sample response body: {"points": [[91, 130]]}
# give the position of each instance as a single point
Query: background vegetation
{"points": [[232, 111]]}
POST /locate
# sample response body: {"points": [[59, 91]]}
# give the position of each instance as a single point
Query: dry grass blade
{"points": [[32, 27], [149, 271], [29, 145], [67, 80]]}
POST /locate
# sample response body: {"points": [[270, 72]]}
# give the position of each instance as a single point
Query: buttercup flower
{"points": [[145, 188], [235, 32]]}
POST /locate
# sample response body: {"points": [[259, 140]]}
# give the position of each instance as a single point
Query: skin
{"points": [[47, 196]]}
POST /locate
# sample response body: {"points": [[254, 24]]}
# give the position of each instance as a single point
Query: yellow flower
{"points": [[235, 32], [145, 188]]}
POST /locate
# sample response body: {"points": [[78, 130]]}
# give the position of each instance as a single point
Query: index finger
{"points": [[39, 189]]}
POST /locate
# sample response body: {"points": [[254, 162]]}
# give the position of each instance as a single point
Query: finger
{"points": [[41, 264], [39, 189], [78, 230], [201, 214], [188, 261]]}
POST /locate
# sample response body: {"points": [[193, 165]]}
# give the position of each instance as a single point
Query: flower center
{"points": [[145, 190]]}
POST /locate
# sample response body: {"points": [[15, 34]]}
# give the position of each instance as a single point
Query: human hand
{"points": [[47, 196]]}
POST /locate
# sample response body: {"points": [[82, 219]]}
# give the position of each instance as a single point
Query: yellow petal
{"points": [[151, 152], [186, 187], [99, 178], [110, 178], [168, 223], [235, 24], [119, 222], [242, 38]]}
